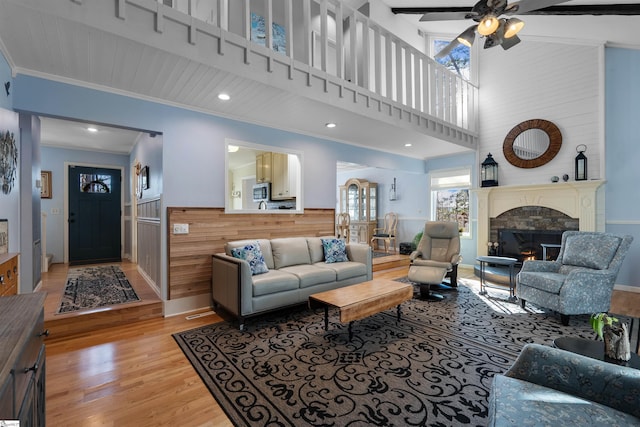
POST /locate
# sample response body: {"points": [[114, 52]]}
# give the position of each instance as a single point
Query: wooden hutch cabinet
{"points": [[8, 274], [359, 198]]}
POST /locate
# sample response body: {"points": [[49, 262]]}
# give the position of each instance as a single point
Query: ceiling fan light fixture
{"points": [[468, 36], [488, 25], [512, 27]]}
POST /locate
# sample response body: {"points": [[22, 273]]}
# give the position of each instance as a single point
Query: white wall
{"points": [[10, 203], [562, 83]]}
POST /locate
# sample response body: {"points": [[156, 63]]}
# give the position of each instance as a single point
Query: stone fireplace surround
{"points": [[581, 200]]}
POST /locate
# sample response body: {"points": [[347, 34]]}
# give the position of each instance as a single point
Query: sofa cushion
{"points": [[316, 251], [548, 282], [590, 250], [290, 251], [345, 270], [253, 255], [310, 275], [265, 247], [335, 250], [514, 402], [274, 281]]}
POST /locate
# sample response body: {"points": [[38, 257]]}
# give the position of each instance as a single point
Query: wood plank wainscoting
{"points": [[189, 270], [149, 239]]}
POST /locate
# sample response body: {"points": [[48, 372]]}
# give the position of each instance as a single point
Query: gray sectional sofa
{"points": [[547, 386], [296, 268]]}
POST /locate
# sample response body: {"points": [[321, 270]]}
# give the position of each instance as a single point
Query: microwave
{"points": [[262, 192]]}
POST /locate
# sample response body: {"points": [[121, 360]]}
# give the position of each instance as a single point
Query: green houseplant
{"points": [[614, 333]]}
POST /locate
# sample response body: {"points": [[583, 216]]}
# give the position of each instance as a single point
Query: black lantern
{"points": [[581, 163], [489, 172]]}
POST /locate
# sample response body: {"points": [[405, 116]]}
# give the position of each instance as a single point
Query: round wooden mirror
{"points": [[532, 143]]}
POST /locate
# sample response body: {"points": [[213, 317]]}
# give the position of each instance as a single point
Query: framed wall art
{"points": [[4, 236], [45, 185], [144, 173]]}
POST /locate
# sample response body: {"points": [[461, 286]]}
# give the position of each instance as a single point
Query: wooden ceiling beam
{"points": [[587, 9]]}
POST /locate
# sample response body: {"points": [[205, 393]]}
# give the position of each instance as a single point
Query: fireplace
{"points": [[580, 201], [527, 244]]}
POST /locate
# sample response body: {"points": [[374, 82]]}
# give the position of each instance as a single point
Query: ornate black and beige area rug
{"points": [[93, 287], [432, 368]]}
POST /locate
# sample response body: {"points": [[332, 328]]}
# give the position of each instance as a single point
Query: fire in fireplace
{"points": [[527, 244]]}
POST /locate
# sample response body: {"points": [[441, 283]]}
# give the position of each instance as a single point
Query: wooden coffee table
{"points": [[362, 300]]}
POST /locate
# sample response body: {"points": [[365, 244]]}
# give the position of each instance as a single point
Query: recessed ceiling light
{"points": [[232, 148], [92, 129], [224, 96], [408, 144], [330, 125]]}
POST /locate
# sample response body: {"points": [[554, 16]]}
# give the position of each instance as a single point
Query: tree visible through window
{"points": [[458, 60], [450, 198]]}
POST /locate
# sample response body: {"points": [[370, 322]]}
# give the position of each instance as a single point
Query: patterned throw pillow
{"points": [[253, 255], [335, 250]]}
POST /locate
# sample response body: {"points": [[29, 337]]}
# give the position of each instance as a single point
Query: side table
{"points": [[499, 260], [593, 349]]}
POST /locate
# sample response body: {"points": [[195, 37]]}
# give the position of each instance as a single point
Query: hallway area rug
{"points": [[94, 287], [434, 367]]}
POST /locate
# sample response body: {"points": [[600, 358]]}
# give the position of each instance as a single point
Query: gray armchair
{"points": [[580, 280], [436, 257], [547, 386]]}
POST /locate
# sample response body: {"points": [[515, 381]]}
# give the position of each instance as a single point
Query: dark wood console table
{"points": [[593, 349], [22, 359]]}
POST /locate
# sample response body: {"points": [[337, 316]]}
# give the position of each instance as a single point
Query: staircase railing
{"points": [[337, 39]]}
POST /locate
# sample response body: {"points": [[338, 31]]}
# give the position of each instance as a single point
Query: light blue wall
{"points": [[193, 144], [622, 112], [468, 245], [53, 159], [148, 151], [5, 76]]}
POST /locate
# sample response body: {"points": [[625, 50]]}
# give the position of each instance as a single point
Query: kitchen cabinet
{"points": [[264, 162], [285, 171], [359, 198], [22, 359]]}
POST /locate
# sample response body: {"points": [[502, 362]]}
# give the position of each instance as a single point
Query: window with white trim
{"points": [[450, 191], [461, 60]]}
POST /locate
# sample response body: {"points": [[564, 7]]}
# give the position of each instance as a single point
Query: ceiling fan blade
{"points": [[446, 16], [447, 49], [524, 6]]}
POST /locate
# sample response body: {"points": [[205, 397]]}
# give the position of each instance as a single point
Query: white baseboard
{"points": [[187, 305], [627, 288]]}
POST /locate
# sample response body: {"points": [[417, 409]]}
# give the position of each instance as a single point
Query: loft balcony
{"points": [[288, 62]]}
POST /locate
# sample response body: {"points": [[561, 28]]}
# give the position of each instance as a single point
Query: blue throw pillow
{"points": [[253, 255], [335, 250]]}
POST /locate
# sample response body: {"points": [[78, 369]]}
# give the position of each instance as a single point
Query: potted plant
{"points": [[615, 335]]}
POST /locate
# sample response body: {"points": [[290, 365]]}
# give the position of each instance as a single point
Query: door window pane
{"points": [[95, 183]]}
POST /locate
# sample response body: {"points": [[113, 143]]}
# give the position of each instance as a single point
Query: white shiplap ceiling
{"points": [[38, 39]]}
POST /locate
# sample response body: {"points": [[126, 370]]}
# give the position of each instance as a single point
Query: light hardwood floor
{"points": [[135, 374]]}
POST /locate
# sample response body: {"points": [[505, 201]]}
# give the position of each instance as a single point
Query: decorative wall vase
{"points": [[8, 161], [616, 341]]}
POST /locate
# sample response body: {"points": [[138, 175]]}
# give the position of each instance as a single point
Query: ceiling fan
{"points": [[494, 22]]}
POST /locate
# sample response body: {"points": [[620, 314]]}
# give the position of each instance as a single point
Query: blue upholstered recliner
{"points": [[547, 386], [580, 280]]}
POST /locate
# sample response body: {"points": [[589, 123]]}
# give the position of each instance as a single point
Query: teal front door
{"points": [[94, 215]]}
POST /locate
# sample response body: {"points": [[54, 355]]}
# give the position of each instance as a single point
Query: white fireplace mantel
{"points": [[580, 199]]}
